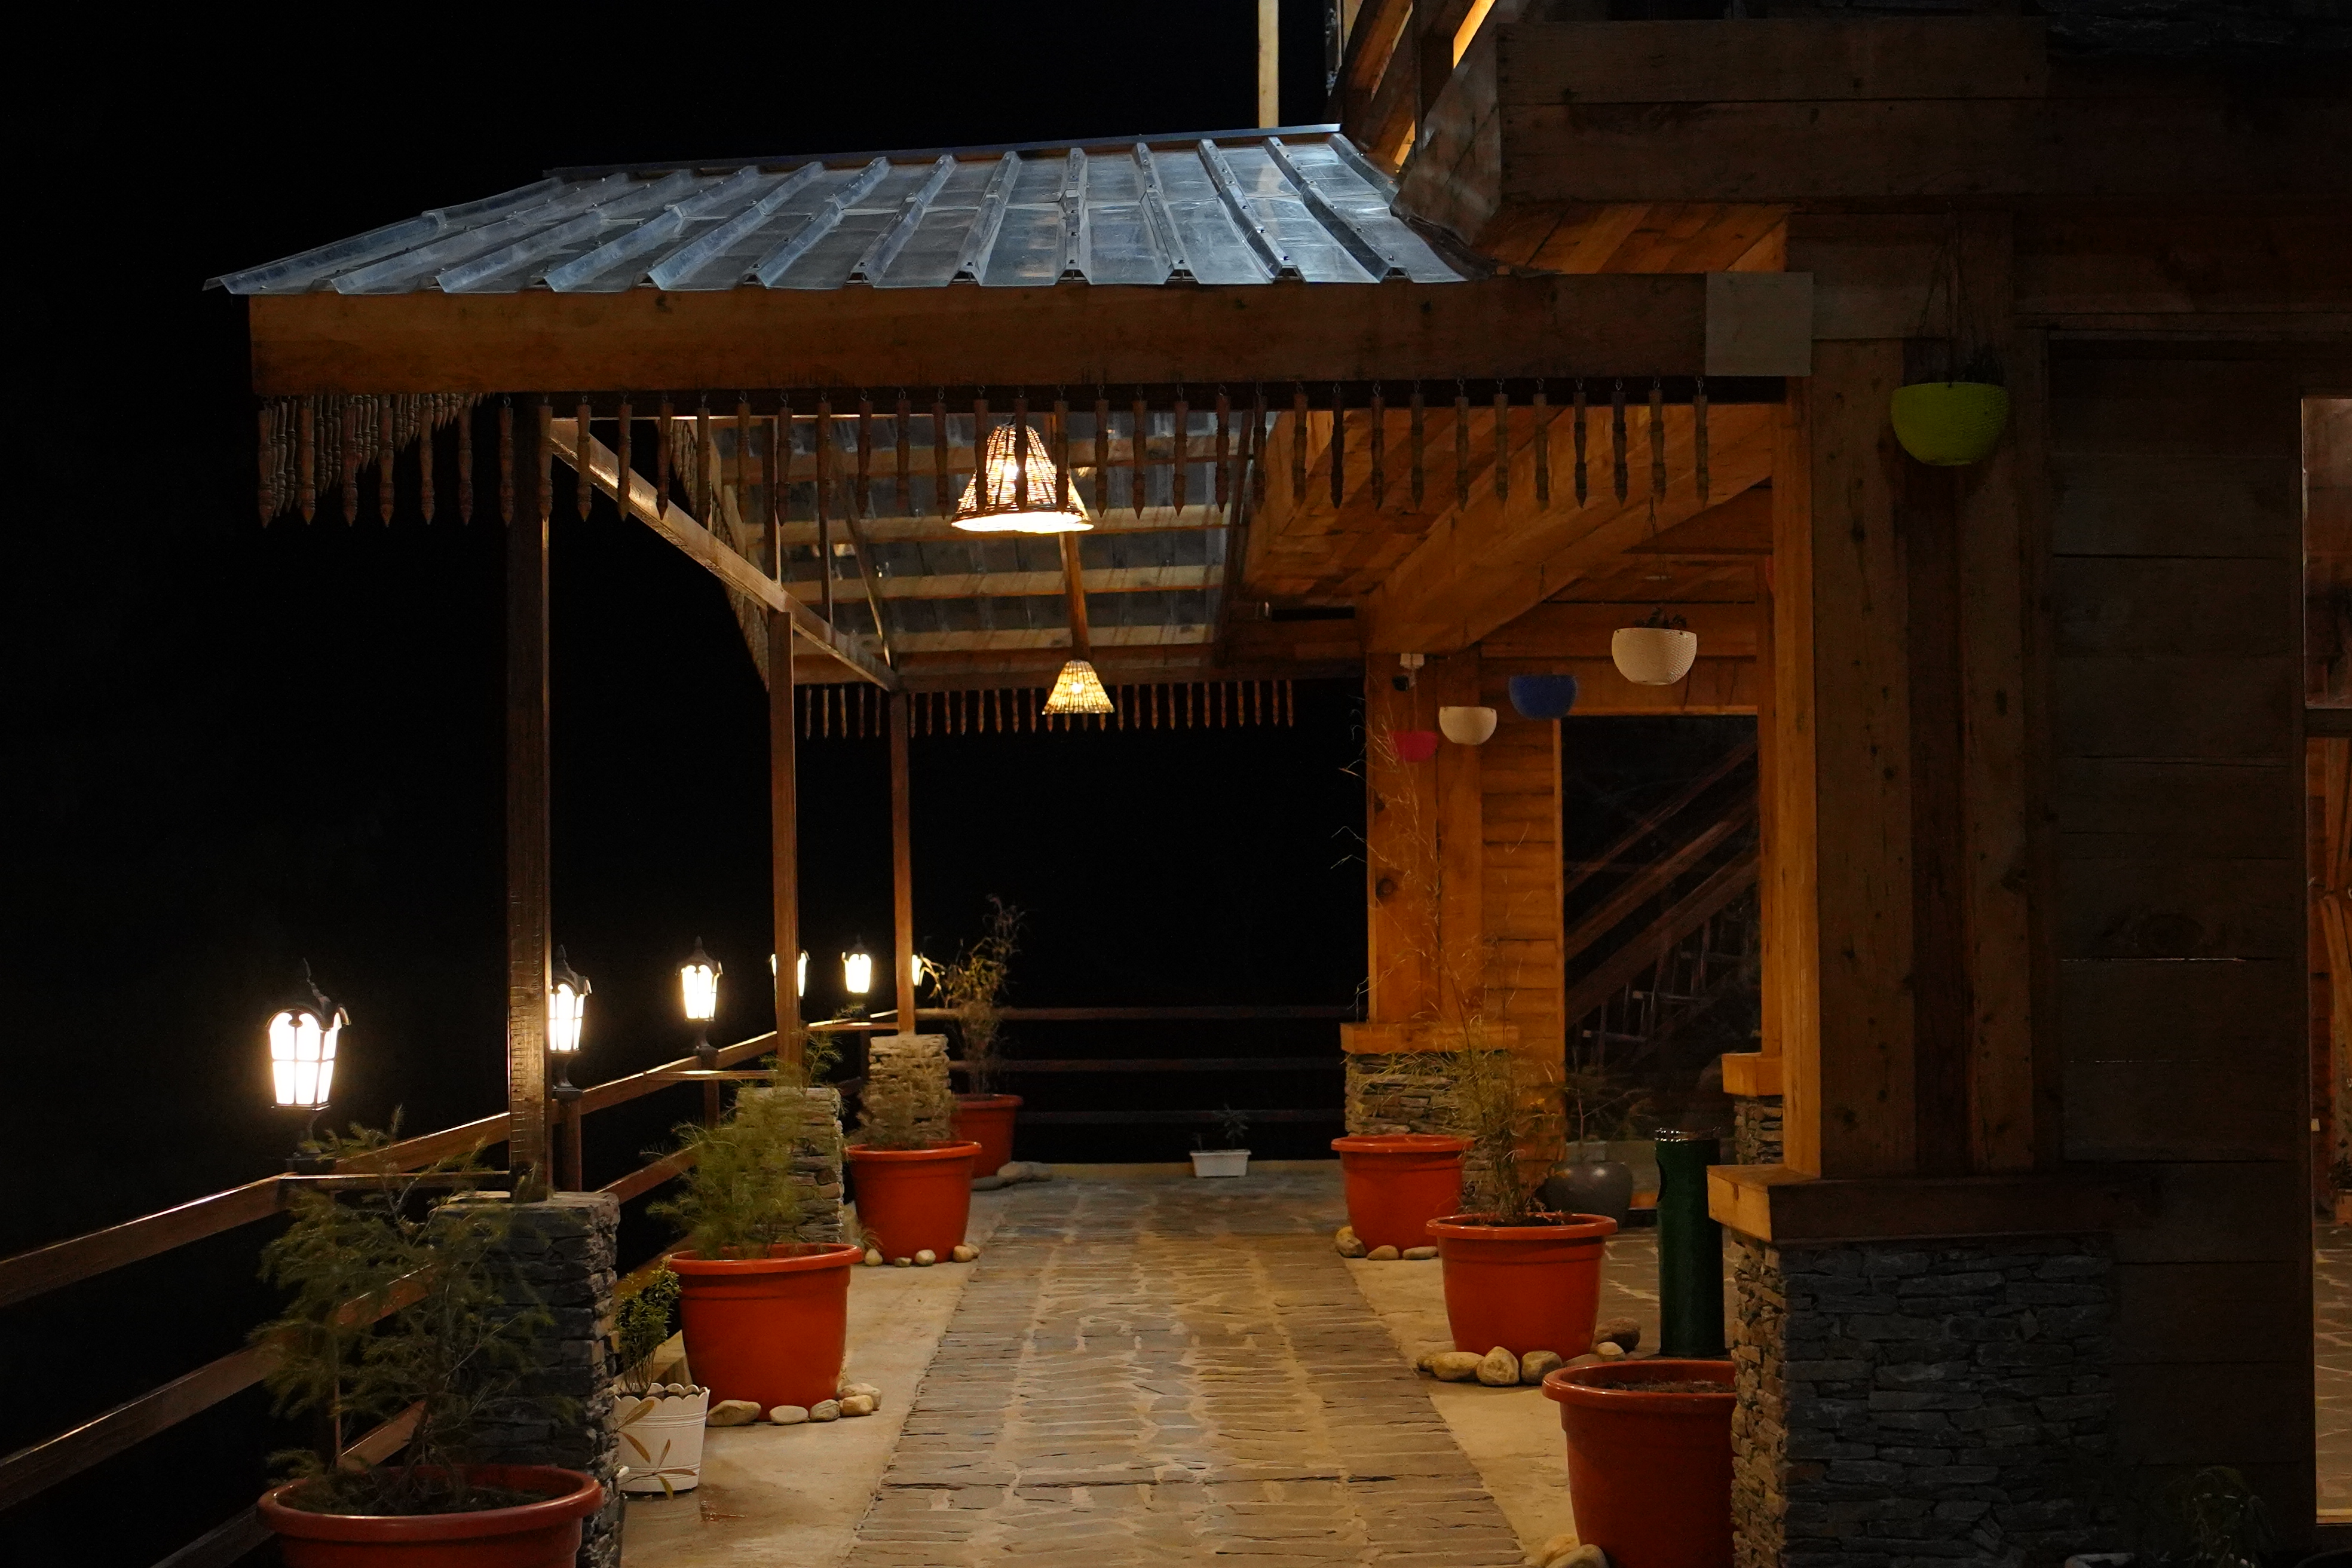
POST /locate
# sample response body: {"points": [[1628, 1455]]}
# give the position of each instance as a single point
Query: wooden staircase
{"points": [[1677, 937]]}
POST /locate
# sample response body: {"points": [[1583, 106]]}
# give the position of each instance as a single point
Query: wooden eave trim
{"points": [[1775, 1204], [1066, 335]]}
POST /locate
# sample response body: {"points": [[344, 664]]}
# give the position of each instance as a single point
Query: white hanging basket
{"points": [[1653, 656], [1467, 726]]}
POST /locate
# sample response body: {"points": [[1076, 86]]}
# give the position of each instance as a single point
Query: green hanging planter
{"points": [[1950, 422]]}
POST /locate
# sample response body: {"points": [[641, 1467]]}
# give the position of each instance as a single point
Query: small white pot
{"points": [[1220, 1161], [665, 1443], [1467, 726], [1653, 656]]}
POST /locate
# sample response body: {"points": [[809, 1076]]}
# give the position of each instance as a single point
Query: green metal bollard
{"points": [[1690, 1250]]}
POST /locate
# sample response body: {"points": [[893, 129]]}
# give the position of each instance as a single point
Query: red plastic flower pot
{"points": [[1399, 1182], [1523, 1287], [543, 1534], [913, 1200], [769, 1329], [1649, 1472], [987, 1121]]}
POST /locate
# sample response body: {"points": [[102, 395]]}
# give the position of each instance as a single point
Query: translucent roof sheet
{"points": [[1232, 208]]}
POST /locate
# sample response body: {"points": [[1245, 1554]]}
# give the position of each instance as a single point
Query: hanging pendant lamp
{"points": [[998, 502], [1078, 689]]}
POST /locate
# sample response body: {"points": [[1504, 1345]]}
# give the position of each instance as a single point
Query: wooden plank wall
{"points": [[1520, 807], [2175, 567]]}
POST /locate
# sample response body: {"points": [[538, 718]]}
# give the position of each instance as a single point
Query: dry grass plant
{"points": [[975, 984]]}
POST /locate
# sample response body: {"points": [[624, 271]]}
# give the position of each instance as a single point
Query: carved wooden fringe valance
{"points": [[1180, 448], [856, 712]]}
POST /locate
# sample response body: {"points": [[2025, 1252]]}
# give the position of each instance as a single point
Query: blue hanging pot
{"points": [[1543, 696]]}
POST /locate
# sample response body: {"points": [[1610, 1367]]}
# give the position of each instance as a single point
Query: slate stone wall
{"points": [[558, 1255], [816, 1160], [1930, 1402], [1756, 1130], [917, 1058]]}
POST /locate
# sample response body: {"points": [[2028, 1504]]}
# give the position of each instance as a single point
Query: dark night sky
{"points": [[229, 749]]}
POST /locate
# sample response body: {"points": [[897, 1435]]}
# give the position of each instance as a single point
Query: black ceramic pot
{"points": [[1589, 1181]]}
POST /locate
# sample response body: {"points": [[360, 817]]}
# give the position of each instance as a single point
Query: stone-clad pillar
{"points": [[1920, 1399], [558, 1255]]}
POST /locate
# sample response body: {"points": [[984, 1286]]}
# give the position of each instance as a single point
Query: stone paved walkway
{"points": [[2332, 1325], [1164, 1371]]}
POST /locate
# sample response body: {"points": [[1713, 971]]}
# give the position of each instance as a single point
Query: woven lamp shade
{"points": [[998, 501], [1078, 689]]}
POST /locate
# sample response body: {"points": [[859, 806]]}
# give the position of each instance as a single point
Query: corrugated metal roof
{"points": [[1232, 208]]}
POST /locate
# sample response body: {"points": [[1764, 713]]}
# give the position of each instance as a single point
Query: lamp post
{"points": [[567, 1012], [698, 985], [302, 1035], [858, 977]]}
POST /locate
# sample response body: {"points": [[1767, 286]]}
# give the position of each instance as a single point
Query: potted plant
{"points": [[660, 1423], [974, 984], [395, 1307], [1949, 424], [1649, 1457], [1231, 1156], [1516, 1274], [1397, 1183], [914, 1194], [766, 1316]]}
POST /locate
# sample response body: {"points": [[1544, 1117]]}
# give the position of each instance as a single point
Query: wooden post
{"points": [[784, 837], [1399, 854], [528, 911], [902, 862], [1842, 739], [1460, 823], [1771, 1021], [1269, 62]]}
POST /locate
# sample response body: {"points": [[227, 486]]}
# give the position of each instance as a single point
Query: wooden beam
{"points": [[1577, 629], [902, 856], [1773, 1203], [1610, 324], [1073, 589], [1739, 529], [528, 913], [783, 837], [1483, 565], [700, 544], [1401, 872], [1039, 584]]}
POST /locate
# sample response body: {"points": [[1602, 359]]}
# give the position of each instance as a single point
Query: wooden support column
{"points": [[1460, 822], [2001, 517], [1399, 854], [784, 837], [1842, 753], [528, 842], [902, 862]]}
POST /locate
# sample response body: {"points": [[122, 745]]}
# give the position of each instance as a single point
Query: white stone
{"points": [[733, 1413], [1420, 1254], [789, 1414], [1542, 1556], [1499, 1368], [867, 1389], [1347, 1242], [902, 1263], [1579, 1557], [1609, 1350], [1455, 1367], [1383, 1255], [873, 1258], [964, 1254], [1535, 1363], [856, 1404], [825, 1410], [926, 1257]]}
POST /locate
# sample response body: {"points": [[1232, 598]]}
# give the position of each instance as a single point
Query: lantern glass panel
{"points": [[566, 1013], [698, 985]]}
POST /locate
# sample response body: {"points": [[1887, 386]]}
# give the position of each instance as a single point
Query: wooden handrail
{"points": [[1621, 966], [1626, 841], [229, 1541], [1653, 879], [1343, 1012], [621, 1090], [645, 1178], [62, 1263]]}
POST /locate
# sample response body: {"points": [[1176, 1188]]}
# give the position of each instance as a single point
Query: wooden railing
{"points": [[38, 1467]]}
